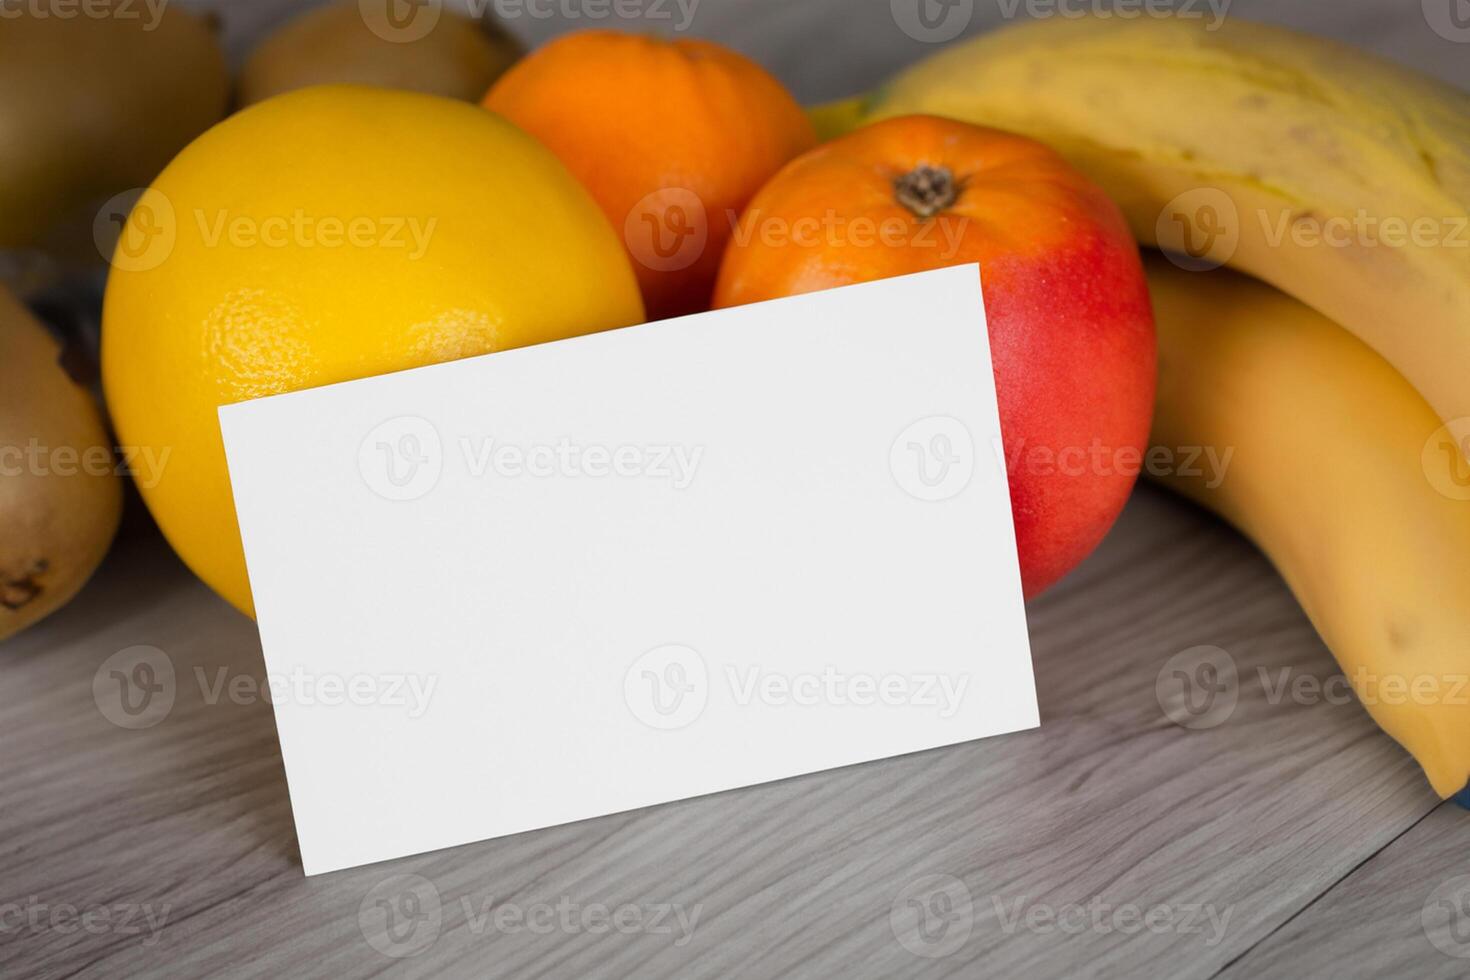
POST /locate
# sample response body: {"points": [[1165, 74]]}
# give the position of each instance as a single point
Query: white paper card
{"points": [[568, 580]]}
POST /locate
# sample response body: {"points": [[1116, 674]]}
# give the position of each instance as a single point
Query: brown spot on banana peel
{"points": [[1400, 635], [1305, 219]]}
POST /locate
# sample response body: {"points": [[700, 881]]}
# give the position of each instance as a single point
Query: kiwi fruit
{"points": [[95, 104], [60, 493], [457, 57]]}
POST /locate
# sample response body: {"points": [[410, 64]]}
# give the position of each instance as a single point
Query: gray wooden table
{"points": [[1265, 836]]}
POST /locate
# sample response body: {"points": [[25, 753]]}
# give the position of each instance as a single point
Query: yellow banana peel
{"points": [[1343, 475], [1334, 175]]}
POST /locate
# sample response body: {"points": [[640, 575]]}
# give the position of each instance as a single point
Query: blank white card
{"points": [[552, 583]]}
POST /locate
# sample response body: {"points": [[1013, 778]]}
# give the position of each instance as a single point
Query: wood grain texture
{"points": [[1289, 839], [1110, 802], [1405, 912]]}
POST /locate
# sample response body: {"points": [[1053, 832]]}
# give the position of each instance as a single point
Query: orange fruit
{"points": [[672, 138]]}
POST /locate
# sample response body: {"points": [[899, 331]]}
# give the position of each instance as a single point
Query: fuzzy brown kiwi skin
{"points": [[95, 105], [60, 495], [459, 58]]}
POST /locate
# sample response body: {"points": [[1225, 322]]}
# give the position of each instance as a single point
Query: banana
{"points": [[834, 119], [1333, 175], [1343, 475]]}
